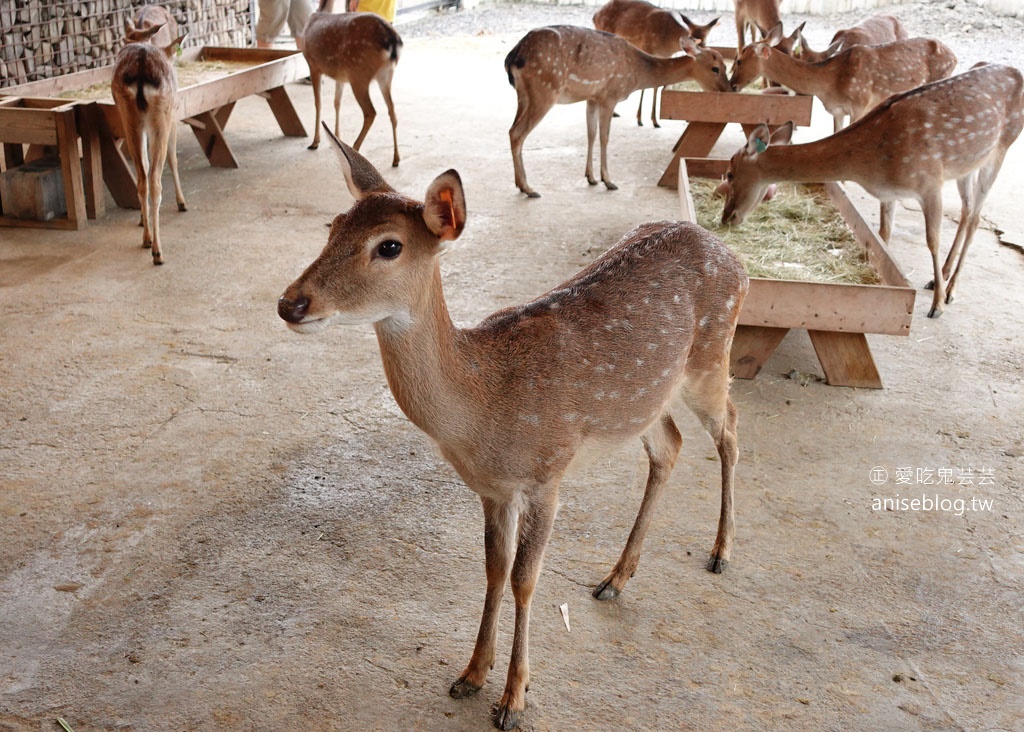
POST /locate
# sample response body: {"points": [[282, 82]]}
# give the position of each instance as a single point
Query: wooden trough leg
{"points": [[696, 141], [209, 130], [846, 359], [752, 346], [71, 169], [95, 196], [118, 170], [284, 111]]}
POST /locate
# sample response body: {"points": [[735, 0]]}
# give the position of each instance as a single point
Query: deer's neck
{"points": [[800, 76], [653, 71], [812, 162], [425, 370]]}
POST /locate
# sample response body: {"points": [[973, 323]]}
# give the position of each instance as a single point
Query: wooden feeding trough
{"points": [[836, 316], [49, 128], [205, 104]]}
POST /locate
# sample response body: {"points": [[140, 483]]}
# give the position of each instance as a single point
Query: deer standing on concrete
{"points": [[144, 88], [356, 48], [654, 30], [760, 14], [511, 402], [954, 129], [853, 81], [562, 64], [872, 31]]}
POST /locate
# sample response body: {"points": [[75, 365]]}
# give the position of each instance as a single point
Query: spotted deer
{"points": [[356, 48], [562, 64], [760, 14], [145, 88], [149, 16], [853, 81], [954, 129], [872, 31], [511, 402], [654, 30]]}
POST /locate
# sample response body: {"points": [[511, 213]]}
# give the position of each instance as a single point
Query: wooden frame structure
{"points": [[205, 107], [835, 316]]}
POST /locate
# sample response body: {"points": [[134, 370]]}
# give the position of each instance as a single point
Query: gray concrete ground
{"points": [[209, 522]]}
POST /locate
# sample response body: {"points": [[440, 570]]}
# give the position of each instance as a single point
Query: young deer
{"points": [[854, 80], [872, 31], [760, 14], [562, 64], [144, 88], [356, 48], [958, 128], [149, 16], [511, 402], [654, 30]]}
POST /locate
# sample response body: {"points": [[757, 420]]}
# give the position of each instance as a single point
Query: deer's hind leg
{"points": [[662, 442]]}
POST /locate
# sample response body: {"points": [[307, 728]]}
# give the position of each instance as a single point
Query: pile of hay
{"points": [[798, 235]]}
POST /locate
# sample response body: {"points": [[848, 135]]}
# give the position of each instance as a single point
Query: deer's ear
{"points": [[783, 134], [758, 141], [360, 175], [129, 26], [175, 45], [445, 208], [689, 46]]}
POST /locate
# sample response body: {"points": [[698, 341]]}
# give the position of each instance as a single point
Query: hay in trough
{"points": [[798, 235], [189, 73]]}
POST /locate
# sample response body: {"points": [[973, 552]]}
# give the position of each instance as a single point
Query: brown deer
{"points": [[872, 31], [144, 88], [562, 64], [149, 16], [512, 401], [356, 48], [654, 30], [954, 129], [760, 14], [854, 80]]}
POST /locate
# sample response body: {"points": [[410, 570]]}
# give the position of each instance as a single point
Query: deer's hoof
{"points": [[182, 206], [591, 181], [157, 259], [949, 298], [605, 591], [935, 312], [506, 718], [532, 194], [930, 285], [461, 689], [716, 564], [610, 186], [313, 146]]}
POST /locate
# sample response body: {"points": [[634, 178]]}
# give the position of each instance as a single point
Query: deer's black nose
{"points": [[293, 311]]}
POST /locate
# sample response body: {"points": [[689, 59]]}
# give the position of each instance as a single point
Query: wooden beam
{"points": [[846, 359], [752, 346]]}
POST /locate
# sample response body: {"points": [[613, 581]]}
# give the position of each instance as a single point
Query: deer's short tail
{"points": [[515, 58]]}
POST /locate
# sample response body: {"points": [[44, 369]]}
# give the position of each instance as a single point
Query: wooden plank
{"points": [[213, 94], [92, 161], [71, 168], [879, 256], [826, 306], [210, 133], [685, 197], [284, 112], [707, 167], [752, 346], [696, 141], [29, 126], [703, 106], [846, 359]]}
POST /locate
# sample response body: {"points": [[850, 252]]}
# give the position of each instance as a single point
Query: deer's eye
{"points": [[389, 249], [714, 69]]}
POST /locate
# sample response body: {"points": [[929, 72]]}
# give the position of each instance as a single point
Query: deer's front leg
{"points": [[499, 545], [534, 531], [592, 121]]}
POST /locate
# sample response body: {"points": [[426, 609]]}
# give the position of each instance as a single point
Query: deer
{"points": [[147, 17], [562, 64], [760, 14], [513, 401], [144, 87], [952, 129], [654, 30], [854, 80], [872, 31], [356, 48]]}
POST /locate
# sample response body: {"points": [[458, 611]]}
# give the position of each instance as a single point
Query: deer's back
{"points": [[340, 44], [143, 77]]}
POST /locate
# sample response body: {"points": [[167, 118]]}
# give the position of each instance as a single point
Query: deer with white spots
{"points": [[145, 89], [513, 401], [954, 129], [760, 14], [851, 82], [654, 30], [356, 48], [872, 31], [563, 64]]}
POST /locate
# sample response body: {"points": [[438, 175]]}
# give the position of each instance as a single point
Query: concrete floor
{"points": [[209, 522]]}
